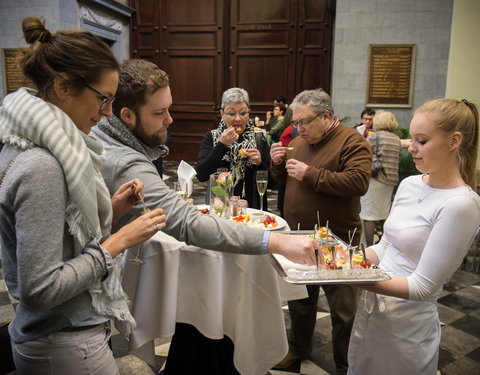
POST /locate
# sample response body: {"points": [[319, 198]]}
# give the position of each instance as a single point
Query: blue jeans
{"points": [[73, 353]]}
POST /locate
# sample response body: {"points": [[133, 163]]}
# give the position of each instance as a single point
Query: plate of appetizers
{"points": [[260, 219], [343, 264]]}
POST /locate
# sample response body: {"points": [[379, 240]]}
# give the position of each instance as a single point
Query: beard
{"points": [[153, 140]]}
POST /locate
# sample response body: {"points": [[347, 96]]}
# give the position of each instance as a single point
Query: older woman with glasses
{"points": [[236, 146]]}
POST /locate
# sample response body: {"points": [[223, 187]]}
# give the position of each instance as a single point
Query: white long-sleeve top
{"points": [[427, 240]]}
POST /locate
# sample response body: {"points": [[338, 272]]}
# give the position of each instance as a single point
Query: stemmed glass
{"points": [[262, 182], [138, 256]]}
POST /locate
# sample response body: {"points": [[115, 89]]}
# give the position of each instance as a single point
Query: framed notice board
{"points": [[14, 77], [390, 75]]}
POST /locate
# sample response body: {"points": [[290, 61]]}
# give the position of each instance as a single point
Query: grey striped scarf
{"points": [[27, 121]]}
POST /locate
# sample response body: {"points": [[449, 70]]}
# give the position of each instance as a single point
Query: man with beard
{"points": [[133, 137]]}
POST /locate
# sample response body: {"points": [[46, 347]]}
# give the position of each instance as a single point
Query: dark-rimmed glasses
{"points": [[303, 123], [105, 99]]}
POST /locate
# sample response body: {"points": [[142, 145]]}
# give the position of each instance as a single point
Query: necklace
{"points": [[420, 199]]}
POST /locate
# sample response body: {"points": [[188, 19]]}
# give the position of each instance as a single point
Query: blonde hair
{"points": [[458, 116], [384, 120]]}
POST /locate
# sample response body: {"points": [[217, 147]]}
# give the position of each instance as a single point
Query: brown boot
{"points": [[288, 360]]}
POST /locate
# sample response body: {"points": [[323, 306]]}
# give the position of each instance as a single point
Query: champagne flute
{"points": [[262, 182]]}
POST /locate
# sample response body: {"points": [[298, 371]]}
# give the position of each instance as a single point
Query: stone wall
{"points": [[359, 23]]}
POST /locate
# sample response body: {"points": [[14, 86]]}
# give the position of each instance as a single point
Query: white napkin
{"points": [[361, 129], [186, 173]]}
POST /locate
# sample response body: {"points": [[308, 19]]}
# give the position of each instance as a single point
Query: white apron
{"points": [[394, 336]]}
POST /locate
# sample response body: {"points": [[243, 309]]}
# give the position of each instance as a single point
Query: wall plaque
{"points": [[14, 77], [390, 76]]}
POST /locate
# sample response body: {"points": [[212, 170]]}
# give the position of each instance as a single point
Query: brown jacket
{"points": [[338, 174]]}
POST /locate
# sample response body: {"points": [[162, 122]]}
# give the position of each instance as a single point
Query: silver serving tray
{"points": [[347, 276]]}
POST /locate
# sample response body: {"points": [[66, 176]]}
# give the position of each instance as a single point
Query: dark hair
{"points": [[77, 56], [368, 111], [281, 107], [280, 99], [452, 115], [138, 78]]}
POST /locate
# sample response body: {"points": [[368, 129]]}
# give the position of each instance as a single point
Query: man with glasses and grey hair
{"points": [[326, 170]]}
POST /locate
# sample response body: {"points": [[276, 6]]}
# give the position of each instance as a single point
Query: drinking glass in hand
{"points": [[179, 190], [262, 182]]}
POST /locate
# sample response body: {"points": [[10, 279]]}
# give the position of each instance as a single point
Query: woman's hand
{"points": [[136, 232], [277, 152], [254, 155], [269, 116], [229, 136], [127, 195]]}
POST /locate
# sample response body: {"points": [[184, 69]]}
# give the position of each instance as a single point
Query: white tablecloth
{"points": [[219, 293]]}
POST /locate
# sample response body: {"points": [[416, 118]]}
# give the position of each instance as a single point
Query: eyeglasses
{"points": [[105, 99], [233, 115], [303, 122]]}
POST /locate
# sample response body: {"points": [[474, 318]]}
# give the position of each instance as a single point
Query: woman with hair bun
{"points": [[375, 204], [432, 223], [56, 212]]}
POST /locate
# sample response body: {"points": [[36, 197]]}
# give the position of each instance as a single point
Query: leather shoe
{"points": [[288, 360]]}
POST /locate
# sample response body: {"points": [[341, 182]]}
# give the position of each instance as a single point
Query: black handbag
{"points": [[376, 162]]}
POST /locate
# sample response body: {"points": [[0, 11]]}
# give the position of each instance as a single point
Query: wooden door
{"points": [[267, 47]]}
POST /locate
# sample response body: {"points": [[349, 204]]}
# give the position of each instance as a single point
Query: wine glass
{"points": [[182, 194], [262, 182]]}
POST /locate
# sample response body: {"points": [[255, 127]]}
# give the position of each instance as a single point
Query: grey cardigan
{"points": [[184, 222], [38, 261]]}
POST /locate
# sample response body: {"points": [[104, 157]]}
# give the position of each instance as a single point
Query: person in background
{"points": [[56, 212], [276, 123], [132, 137], [376, 202], [221, 148], [367, 116], [433, 221], [326, 170], [288, 134]]}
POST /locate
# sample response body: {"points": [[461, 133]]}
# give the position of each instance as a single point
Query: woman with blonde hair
{"points": [[375, 204], [432, 223]]}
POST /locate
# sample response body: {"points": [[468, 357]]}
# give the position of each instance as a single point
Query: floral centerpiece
{"points": [[221, 184]]}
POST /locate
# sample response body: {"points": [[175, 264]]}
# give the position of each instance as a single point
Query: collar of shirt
{"points": [[332, 127]]}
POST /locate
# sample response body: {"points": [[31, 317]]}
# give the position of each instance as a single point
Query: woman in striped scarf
{"points": [[58, 254]]}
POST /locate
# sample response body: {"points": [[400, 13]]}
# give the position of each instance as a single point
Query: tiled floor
{"points": [[459, 308]]}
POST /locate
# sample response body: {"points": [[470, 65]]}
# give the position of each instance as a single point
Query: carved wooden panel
{"points": [[268, 47]]}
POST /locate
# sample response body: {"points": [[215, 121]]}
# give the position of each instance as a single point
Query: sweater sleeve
{"points": [[184, 222], [353, 176], [210, 157], [48, 272]]}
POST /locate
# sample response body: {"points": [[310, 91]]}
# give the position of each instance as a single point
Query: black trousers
{"points": [[6, 363], [192, 353]]}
